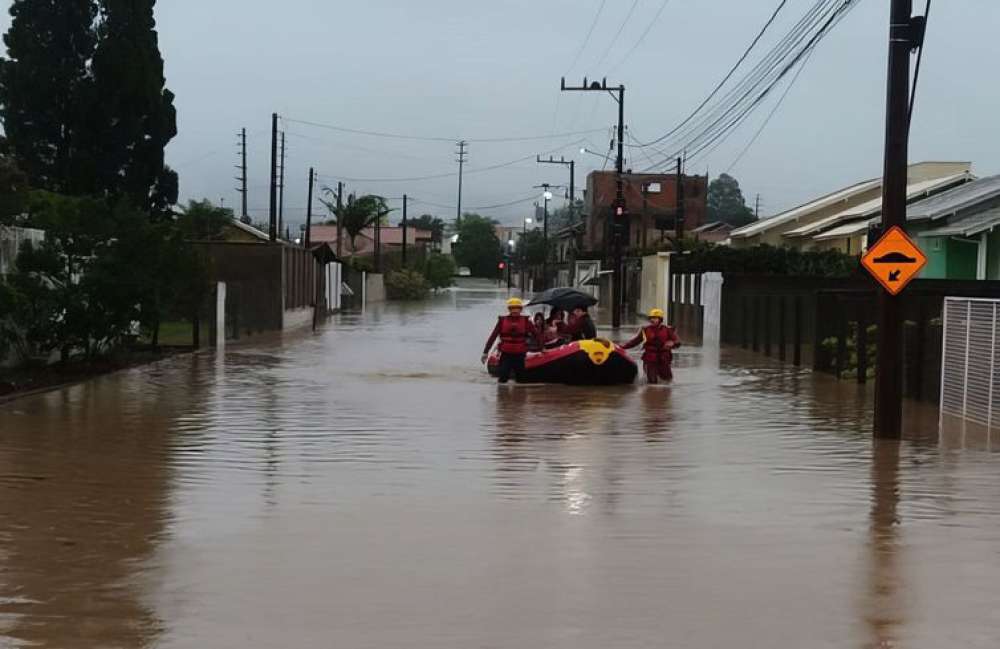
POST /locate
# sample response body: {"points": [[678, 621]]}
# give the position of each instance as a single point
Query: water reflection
{"points": [[882, 609]]}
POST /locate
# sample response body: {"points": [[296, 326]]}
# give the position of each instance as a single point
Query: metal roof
{"points": [[846, 230], [955, 200], [972, 224], [825, 201], [874, 206]]}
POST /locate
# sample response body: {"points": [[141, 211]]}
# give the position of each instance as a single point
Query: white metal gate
{"points": [[970, 366]]}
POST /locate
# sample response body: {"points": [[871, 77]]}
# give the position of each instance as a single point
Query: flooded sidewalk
{"points": [[368, 486]]}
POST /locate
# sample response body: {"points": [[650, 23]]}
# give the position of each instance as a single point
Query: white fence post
{"points": [[220, 315]]}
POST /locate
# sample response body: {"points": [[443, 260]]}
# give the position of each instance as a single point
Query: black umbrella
{"points": [[566, 299]]}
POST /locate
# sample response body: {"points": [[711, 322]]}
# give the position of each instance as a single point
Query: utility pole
{"points": [[273, 207], [572, 180], [309, 208], [242, 178], [756, 208], [404, 230], [340, 225], [681, 216], [281, 188], [620, 209], [905, 34], [378, 243], [462, 157]]}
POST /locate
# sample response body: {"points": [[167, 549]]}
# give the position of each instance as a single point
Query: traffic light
{"points": [[502, 265]]}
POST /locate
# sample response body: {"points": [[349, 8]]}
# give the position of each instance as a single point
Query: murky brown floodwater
{"points": [[369, 487]]}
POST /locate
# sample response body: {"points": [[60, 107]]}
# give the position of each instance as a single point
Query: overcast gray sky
{"points": [[475, 69]]}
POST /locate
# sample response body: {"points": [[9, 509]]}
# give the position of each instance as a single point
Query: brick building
{"points": [[652, 206]]}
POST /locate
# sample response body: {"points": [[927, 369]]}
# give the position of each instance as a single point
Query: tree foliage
{"points": [[358, 214], [406, 285], [439, 271], [703, 257], [43, 80], [533, 248], [14, 191], [131, 116], [478, 247], [429, 223], [726, 202]]}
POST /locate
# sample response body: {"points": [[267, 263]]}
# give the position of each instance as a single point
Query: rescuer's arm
{"points": [[639, 337], [492, 339], [674, 341]]}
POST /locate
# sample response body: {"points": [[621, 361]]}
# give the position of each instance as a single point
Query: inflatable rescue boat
{"points": [[587, 362]]}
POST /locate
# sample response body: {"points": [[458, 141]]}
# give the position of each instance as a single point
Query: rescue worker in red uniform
{"points": [[658, 344], [513, 331]]}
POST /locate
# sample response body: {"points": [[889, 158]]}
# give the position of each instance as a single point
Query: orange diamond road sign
{"points": [[894, 260]]}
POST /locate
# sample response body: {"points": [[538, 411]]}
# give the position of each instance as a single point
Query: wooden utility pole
{"points": [[404, 230], [309, 209], [273, 207], [681, 215], [244, 217], [905, 34], [281, 188], [340, 225]]}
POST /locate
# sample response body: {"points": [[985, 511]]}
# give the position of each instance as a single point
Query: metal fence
{"points": [[970, 363]]}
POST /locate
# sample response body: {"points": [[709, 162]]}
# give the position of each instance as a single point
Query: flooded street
{"points": [[370, 487]]}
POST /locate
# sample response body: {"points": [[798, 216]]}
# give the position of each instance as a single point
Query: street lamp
{"points": [[524, 250], [606, 157]]}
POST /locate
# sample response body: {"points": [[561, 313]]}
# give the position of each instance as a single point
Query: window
{"points": [[653, 188]]}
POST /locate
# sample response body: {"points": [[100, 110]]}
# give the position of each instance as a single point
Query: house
{"points": [[714, 232], [847, 230], [840, 203], [652, 208], [391, 238]]}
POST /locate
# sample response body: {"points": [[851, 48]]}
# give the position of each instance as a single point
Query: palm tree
{"points": [[357, 215]]}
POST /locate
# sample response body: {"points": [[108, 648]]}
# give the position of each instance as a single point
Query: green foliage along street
{"points": [[478, 247]]}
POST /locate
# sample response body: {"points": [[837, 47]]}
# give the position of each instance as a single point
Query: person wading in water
{"points": [[513, 330], [658, 344]]}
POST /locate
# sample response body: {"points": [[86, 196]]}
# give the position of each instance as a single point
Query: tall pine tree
{"points": [[132, 116], [49, 44]]}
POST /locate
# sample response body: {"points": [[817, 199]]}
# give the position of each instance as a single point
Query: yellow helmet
{"points": [[515, 303], [656, 313]]}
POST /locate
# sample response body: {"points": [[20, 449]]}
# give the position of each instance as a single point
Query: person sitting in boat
{"points": [[537, 342], [658, 344], [513, 331], [557, 324], [580, 326]]}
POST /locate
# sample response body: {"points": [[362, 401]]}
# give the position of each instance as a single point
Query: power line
{"points": [[400, 136], [614, 40], [451, 174], [728, 76], [586, 39], [724, 124], [771, 114], [645, 33]]}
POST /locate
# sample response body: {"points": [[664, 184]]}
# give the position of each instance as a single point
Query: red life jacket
{"points": [[514, 334], [654, 343]]}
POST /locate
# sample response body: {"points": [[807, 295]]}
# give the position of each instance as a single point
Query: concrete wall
{"points": [[255, 280], [374, 288], [655, 282]]}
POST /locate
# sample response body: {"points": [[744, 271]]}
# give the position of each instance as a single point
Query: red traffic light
{"points": [[501, 265]]}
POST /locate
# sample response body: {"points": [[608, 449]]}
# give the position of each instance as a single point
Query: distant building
{"points": [[11, 239], [652, 208], [714, 232], [391, 237]]}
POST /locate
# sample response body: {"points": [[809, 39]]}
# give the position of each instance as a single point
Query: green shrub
{"points": [[701, 257], [439, 271], [406, 285]]}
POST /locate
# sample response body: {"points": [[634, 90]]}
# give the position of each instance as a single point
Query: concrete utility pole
{"points": [[905, 34], [340, 225], [462, 157], [281, 188], [273, 207], [756, 209], [309, 208], [681, 213], [572, 180], [404, 230], [242, 178], [620, 210]]}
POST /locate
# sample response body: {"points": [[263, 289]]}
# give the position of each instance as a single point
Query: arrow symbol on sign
{"points": [[894, 275]]}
